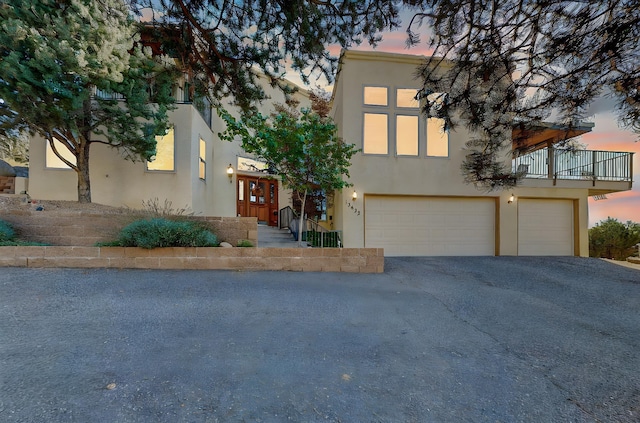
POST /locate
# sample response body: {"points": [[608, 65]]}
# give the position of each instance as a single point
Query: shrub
{"points": [[245, 243], [6, 232], [154, 233]]}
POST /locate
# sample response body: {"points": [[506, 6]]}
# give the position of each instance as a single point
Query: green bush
{"points": [[6, 232], [245, 243], [154, 233]]}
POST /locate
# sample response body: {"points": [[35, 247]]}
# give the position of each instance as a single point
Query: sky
{"points": [[606, 135]]}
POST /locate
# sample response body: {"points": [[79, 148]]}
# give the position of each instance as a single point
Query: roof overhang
{"points": [[540, 135]]}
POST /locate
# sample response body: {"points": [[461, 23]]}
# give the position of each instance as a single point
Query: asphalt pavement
{"points": [[495, 339]]}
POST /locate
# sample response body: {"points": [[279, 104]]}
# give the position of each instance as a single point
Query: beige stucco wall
{"points": [[418, 176], [117, 182]]}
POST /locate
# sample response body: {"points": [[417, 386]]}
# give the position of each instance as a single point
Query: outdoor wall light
{"points": [[511, 199], [354, 196], [230, 173]]}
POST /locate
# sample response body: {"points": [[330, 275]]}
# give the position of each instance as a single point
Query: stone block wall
{"points": [[84, 228], [7, 185], [355, 260]]}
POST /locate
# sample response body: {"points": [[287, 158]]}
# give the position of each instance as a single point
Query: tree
{"points": [[507, 61], [226, 43], [302, 147], [14, 147], [70, 71], [611, 238]]}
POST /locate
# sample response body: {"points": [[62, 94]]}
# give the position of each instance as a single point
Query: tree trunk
{"points": [[84, 184], [302, 219]]}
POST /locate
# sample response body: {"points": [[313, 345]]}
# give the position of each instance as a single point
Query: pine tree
{"points": [[70, 71]]}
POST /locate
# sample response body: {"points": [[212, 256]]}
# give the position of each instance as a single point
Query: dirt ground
{"points": [[10, 203]]}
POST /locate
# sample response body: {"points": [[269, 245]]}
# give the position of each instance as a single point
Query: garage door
{"points": [[545, 227], [430, 226]]}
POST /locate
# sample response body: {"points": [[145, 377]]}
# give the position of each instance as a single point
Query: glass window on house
{"points": [[202, 163], [375, 137], [376, 96], [407, 135], [52, 161], [164, 159], [406, 98], [437, 137]]}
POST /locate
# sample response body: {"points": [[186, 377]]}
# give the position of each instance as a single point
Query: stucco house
{"points": [[409, 196], [193, 169]]}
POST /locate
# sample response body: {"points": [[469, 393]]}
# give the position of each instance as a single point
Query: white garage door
{"points": [[430, 226], [545, 227]]}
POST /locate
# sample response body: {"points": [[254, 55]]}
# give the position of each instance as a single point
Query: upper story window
{"points": [[399, 126], [376, 96], [53, 162], [165, 159], [202, 162], [437, 137]]}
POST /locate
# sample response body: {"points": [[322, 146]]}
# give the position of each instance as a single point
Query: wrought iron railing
{"points": [[575, 164], [286, 214], [200, 103]]}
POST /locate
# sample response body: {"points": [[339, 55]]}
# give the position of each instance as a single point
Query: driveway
{"points": [[497, 339]]}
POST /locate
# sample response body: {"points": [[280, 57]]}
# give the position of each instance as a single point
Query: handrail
{"points": [[565, 164], [286, 214], [319, 236]]}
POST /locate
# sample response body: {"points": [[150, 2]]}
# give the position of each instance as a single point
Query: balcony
{"points": [[608, 170]]}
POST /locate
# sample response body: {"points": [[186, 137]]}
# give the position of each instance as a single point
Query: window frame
{"points": [[61, 147], [364, 133]]}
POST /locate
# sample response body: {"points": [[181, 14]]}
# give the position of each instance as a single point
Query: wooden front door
{"points": [[258, 197]]}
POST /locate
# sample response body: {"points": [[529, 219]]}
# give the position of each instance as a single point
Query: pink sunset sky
{"points": [[606, 135]]}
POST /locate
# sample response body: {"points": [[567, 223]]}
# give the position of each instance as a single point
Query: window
{"points": [[406, 98], [375, 134], [202, 163], [53, 162], [407, 135], [437, 137], [164, 160], [376, 96]]}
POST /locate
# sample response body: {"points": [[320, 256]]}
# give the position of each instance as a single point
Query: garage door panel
{"points": [[430, 226], [545, 227]]}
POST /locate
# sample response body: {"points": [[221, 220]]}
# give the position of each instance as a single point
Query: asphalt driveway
{"points": [[493, 339]]}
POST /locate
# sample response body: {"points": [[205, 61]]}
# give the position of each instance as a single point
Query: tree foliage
{"points": [[224, 43], [70, 71], [520, 61], [303, 148], [611, 238], [14, 147]]}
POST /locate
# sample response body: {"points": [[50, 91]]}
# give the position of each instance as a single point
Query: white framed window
{"points": [[202, 162], [376, 133], [407, 135], [165, 158], [52, 161]]}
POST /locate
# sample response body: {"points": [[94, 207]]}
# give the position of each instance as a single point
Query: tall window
{"points": [[164, 159], [202, 154], [53, 162], [376, 133], [437, 137], [407, 123]]}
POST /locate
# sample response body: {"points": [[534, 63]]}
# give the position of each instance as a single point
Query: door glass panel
{"points": [[261, 193], [252, 188], [240, 190], [272, 193]]}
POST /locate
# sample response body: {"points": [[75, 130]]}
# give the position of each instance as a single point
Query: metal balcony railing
{"points": [[575, 164], [201, 104]]}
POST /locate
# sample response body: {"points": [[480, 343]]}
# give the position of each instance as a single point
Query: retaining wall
{"points": [[84, 228], [361, 260]]}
